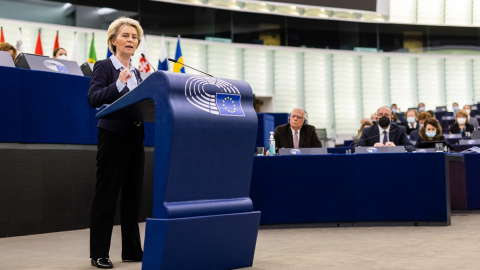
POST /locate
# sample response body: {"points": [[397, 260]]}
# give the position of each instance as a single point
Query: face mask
{"points": [[468, 111], [394, 110], [411, 119], [373, 121], [431, 134], [421, 109], [384, 121], [461, 120], [420, 125], [63, 57], [455, 109]]}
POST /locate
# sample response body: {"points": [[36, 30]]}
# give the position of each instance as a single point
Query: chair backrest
{"points": [[321, 133]]}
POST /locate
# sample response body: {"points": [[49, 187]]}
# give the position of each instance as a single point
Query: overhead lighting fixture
{"points": [[106, 11], [67, 5]]}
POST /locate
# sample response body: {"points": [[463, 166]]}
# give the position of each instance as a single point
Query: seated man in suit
{"points": [[385, 133], [296, 133]]}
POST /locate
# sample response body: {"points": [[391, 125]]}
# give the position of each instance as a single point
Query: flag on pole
{"points": [[162, 60], [2, 38], [38, 47], [109, 53], [74, 53], [144, 67], [19, 45], [56, 44], [92, 56], [179, 58]]}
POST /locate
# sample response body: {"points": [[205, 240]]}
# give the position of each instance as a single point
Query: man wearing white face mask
{"points": [[471, 120], [461, 126], [455, 107], [412, 117]]}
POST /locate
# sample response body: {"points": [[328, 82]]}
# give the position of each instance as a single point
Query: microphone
{"points": [[371, 137], [175, 61], [143, 55]]}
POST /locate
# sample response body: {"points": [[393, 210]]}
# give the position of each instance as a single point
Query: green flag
{"points": [[92, 56]]}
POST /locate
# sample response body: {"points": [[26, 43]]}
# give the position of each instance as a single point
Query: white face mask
{"points": [[63, 57], [468, 111], [461, 120], [421, 109], [411, 119]]}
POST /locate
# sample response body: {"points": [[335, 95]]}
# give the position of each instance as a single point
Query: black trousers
{"points": [[120, 169]]}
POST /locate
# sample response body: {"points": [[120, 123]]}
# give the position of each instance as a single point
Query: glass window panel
{"points": [[403, 82], [476, 13], [318, 91], [458, 81], [374, 82], [430, 11], [403, 11], [458, 12], [347, 93], [225, 61], [258, 70], [288, 76], [476, 79], [431, 84]]}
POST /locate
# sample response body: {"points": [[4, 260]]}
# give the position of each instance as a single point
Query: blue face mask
{"points": [[455, 109], [430, 134]]}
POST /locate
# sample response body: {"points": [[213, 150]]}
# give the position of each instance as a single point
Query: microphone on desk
{"points": [[143, 55], [371, 137], [175, 61]]}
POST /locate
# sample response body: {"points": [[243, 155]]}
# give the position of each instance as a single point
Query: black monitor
{"points": [[87, 69], [432, 144]]}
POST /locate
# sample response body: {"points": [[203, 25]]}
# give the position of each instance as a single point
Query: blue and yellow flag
{"points": [[179, 58], [229, 104]]}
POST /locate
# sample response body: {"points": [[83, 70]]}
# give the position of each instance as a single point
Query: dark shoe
{"points": [[137, 259], [102, 262]]}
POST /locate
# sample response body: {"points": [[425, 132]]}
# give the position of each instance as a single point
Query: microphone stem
{"points": [[175, 61]]}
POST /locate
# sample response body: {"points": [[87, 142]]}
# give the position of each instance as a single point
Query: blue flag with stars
{"points": [[229, 104]]}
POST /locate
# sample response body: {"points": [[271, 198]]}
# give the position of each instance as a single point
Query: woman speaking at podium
{"points": [[120, 156]]}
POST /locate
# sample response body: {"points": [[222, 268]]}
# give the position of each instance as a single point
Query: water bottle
{"points": [[271, 148]]}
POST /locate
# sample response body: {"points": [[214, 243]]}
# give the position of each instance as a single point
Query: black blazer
{"points": [[455, 129], [103, 90], [284, 138], [408, 128], [397, 135]]}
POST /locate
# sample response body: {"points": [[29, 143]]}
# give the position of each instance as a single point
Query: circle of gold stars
{"points": [[234, 106]]}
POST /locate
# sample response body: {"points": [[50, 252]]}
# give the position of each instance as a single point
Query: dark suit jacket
{"points": [[408, 128], [103, 90], [415, 135], [284, 138], [371, 135], [455, 129]]}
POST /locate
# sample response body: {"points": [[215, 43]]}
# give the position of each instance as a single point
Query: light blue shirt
{"points": [[132, 82]]}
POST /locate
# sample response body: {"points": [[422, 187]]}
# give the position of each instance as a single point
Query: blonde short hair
{"points": [[461, 113], [115, 27]]}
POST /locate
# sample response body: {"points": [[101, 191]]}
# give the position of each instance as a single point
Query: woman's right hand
{"points": [[124, 76]]}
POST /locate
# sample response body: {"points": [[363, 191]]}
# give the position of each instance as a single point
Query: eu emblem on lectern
{"points": [[214, 96]]}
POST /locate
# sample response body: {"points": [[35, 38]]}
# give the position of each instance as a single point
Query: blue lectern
{"points": [[205, 130]]}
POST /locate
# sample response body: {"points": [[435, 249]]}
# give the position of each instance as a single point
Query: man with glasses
{"points": [[297, 133], [384, 132]]}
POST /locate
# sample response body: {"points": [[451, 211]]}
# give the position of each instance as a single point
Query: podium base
{"points": [[205, 242]]}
